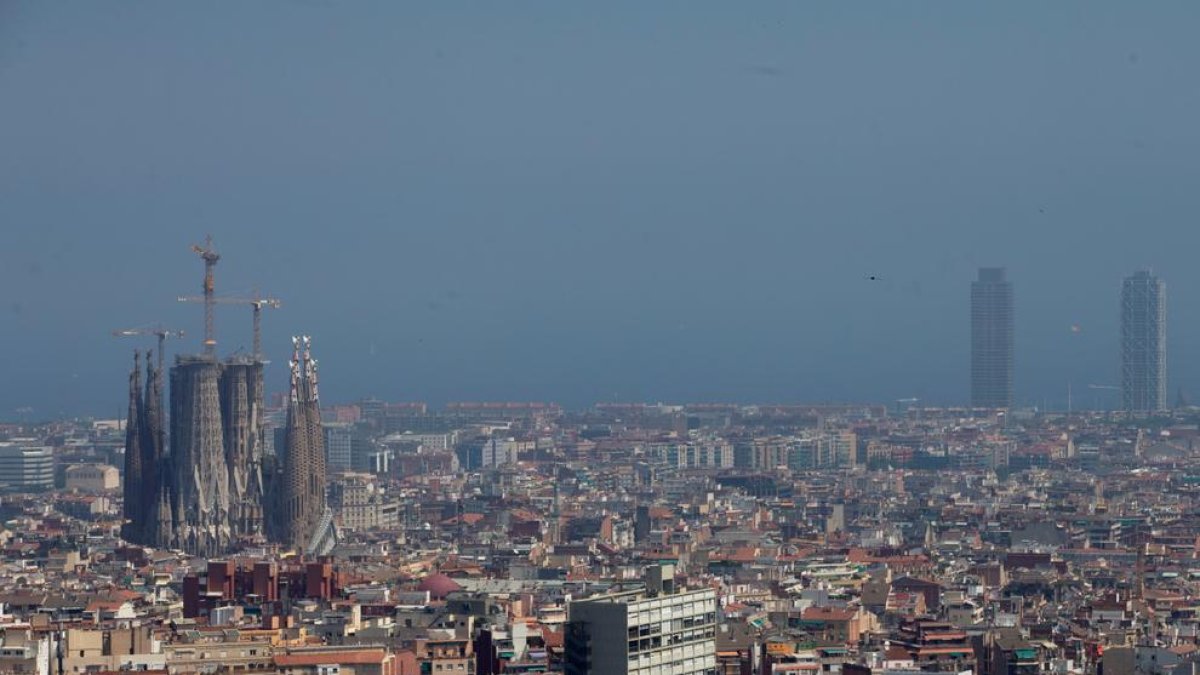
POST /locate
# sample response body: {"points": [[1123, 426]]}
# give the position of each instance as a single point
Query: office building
{"points": [[1143, 343], [991, 340], [658, 629], [26, 467], [339, 445]]}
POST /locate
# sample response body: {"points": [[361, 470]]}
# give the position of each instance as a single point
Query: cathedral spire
{"points": [[152, 439], [301, 498], [134, 470]]}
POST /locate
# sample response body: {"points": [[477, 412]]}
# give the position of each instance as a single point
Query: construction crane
{"points": [[161, 333], [256, 302], [210, 258]]}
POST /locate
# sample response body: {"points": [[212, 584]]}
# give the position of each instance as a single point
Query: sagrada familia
{"points": [[212, 486], [205, 485]]}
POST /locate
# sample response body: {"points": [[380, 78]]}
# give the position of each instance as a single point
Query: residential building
{"points": [[654, 630], [500, 452]]}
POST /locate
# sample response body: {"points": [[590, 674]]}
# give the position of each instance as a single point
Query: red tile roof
{"points": [[827, 614]]}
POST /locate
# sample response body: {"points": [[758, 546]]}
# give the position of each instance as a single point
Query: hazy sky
{"points": [[596, 201]]}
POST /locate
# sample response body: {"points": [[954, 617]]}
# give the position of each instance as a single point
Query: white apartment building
{"points": [[653, 631]]}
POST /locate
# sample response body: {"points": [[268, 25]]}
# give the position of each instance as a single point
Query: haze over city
{"points": [[629, 338], [581, 204]]}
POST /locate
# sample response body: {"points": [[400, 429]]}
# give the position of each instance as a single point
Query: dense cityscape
{"points": [[221, 529], [622, 338]]}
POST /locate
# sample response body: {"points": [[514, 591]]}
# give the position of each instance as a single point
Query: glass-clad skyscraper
{"points": [[991, 340], [1143, 343]]}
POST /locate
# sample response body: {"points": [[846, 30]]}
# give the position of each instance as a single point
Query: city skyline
{"points": [[706, 338], [991, 277], [714, 240], [992, 350]]}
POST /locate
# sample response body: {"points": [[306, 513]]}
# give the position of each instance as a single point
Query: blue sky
{"points": [[574, 202]]}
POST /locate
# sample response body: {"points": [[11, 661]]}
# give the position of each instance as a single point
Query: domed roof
{"points": [[439, 586]]}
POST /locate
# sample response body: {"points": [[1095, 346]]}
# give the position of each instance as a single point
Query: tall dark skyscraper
{"points": [[991, 340], [1143, 343]]}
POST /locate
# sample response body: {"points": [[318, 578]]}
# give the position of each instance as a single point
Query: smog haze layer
{"points": [[679, 201]]}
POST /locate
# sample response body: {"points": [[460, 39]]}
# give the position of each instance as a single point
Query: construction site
{"points": [[197, 477]]}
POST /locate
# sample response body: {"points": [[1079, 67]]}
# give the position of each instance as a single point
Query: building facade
{"points": [[500, 452], [1143, 343], [26, 467], [93, 477], [655, 630], [339, 446], [991, 340]]}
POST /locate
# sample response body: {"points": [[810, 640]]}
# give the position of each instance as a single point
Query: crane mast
{"points": [[210, 258], [257, 303]]}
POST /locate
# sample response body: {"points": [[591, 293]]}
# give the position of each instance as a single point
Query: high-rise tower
{"points": [[1143, 343], [991, 340]]}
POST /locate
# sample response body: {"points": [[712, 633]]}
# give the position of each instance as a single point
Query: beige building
{"points": [[86, 650], [93, 477], [22, 650], [366, 660], [244, 652], [360, 504]]}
